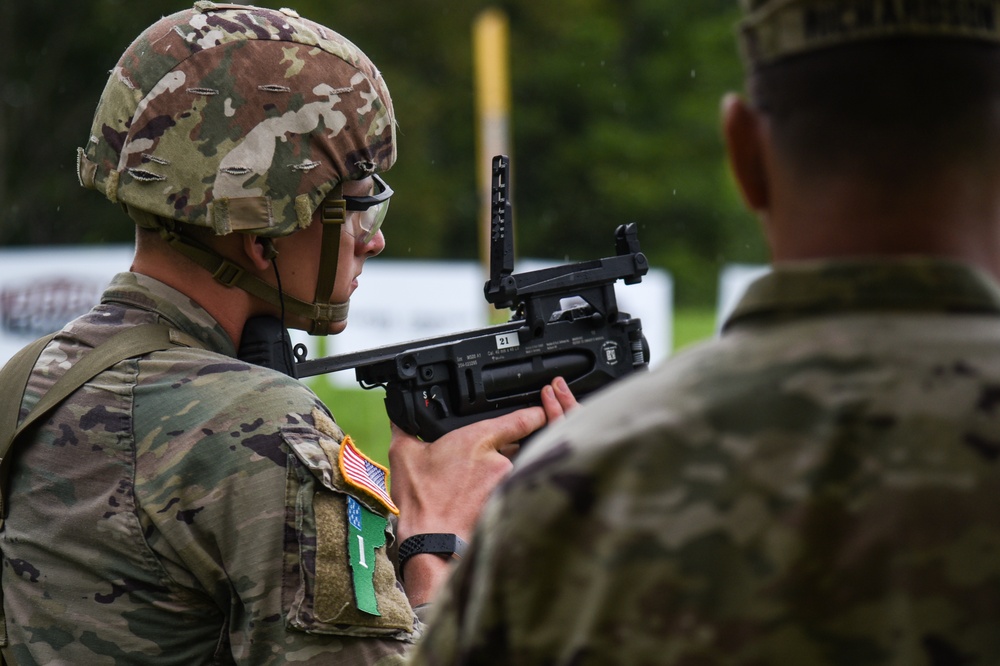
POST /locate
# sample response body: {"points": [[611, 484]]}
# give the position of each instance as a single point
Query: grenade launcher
{"points": [[565, 322]]}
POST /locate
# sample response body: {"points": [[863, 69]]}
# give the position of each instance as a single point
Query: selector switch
{"points": [[434, 400]]}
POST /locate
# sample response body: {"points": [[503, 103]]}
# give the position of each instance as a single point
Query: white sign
{"points": [[43, 288], [397, 301], [733, 283]]}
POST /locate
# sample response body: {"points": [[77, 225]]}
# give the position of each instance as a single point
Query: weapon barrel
{"points": [[321, 366]]}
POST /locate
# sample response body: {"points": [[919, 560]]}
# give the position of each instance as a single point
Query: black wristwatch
{"points": [[445, 545]]}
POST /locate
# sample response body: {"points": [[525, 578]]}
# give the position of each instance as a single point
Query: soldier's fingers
{"points": [[557, 399], [563, 393], [402, 445], [502, 431]]}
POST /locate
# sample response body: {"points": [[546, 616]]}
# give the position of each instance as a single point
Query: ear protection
{"points": [[269, 250]]}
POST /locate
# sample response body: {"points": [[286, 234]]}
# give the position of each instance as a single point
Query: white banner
{"points": [[399, 301], [42, 288], [733, 282]]}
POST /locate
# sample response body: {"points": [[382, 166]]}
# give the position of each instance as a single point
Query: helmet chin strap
{"points": [[321, 313], [333, 214]]}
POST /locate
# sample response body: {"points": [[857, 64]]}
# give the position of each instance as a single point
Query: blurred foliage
{"points": [[615, 119]]}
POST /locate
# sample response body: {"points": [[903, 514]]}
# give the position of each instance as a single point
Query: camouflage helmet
{"points": [[773, 30], [237, 118]]}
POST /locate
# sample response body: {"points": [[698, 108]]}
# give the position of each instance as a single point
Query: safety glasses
{"points": [[370, 209]]}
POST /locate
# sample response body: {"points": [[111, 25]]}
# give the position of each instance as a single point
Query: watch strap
{"points": [[444, 545]]}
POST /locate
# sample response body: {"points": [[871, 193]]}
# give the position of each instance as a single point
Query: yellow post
{"points": [[492, 82]]}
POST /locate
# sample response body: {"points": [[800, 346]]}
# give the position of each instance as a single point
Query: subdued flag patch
{"points": [[364, 474]]}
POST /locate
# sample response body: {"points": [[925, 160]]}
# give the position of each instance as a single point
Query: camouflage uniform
{"points": [[819, 486], [185, 508]]}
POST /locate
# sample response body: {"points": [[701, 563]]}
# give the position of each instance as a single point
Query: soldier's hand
{"points": [[442, 486], [557, 399]]}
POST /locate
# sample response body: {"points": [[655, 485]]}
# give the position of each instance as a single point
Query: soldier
{"points": [[185, 507], [820, 485]]}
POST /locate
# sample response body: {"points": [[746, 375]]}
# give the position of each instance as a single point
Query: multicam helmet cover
{"points": [[237, 118]]}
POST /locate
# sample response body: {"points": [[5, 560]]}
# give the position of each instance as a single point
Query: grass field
{"points": [[362, 415]]}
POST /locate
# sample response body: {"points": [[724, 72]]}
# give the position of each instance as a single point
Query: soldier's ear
{"points": [[745, 134], [259, 250]]}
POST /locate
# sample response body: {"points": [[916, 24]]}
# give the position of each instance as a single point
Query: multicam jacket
{"points": [[187, 508], [819, 486]]}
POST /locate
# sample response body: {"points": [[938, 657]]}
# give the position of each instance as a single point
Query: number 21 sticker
{"points": [[508, 340]]}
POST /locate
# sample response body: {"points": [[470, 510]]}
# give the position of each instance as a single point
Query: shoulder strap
{"points": [[15, 374], [134, 341]]}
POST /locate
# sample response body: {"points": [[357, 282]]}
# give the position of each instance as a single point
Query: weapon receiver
{"points": [[565, 322]]}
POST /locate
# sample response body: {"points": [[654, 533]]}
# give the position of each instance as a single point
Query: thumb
{"points": [[500, 431]]}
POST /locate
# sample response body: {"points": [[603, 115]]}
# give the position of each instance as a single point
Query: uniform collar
{"points": [[900, 285], [177, 309]]}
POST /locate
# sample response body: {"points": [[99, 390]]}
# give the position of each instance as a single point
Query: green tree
{"points": [[615, 119], [53, 65]]}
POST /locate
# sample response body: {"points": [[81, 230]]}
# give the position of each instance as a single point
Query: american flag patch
{"points": [[365, 474]]}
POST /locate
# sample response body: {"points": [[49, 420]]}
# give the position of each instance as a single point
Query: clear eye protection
{"points": [[370, 209]]}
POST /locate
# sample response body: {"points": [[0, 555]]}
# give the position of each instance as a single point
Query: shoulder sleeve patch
{"points": [[365, 474], [338, 578], [341, 598], [338, 463]]}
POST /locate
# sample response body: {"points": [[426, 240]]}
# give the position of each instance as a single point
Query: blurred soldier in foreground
{"points": [[184, 507], [819, 486]]}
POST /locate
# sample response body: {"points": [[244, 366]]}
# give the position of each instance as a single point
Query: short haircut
{"points": [[901, 106]]}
